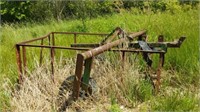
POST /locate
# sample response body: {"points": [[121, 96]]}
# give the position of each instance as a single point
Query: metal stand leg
{"points": [[78, 75], [19, 63]]}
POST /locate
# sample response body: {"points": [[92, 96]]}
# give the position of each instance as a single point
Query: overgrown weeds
{"points": [[120, 89], [181, 68]]}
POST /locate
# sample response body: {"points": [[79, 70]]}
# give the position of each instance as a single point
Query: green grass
{"points": [[183, 60], [177, 100]]}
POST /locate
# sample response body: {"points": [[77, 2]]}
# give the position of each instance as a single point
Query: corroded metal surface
{"points": [[84, 60]]}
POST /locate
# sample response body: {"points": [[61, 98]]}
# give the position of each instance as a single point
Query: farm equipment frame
{"points": [[109, 43]]}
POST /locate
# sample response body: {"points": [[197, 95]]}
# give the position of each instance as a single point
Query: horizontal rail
{"points": [[84, 49], [81, 33], [35, 39], [56, 47], [85, 45], [136, 50], [174, 44]]}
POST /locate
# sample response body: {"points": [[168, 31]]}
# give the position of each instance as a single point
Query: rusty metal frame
{"points": [[85, 59], [21, 49]]}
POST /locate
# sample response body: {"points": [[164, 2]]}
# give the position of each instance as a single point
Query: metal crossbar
{"points": [[84, 60]]}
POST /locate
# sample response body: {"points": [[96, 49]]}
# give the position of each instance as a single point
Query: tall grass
{"points": [[118, 90], [182, 62]]}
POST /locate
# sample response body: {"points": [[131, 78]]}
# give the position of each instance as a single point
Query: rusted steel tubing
{"points": [[136, 50], [41, 51], [158, 73], [35, 39], [75, 38], [56, 47], [51, 58], [24, 58], [123, 58], [85, 45], [112, 36], [175, 44], [78, 75], [80, 33], [89, 54], [49, 40], [53, 42], [162, 56], [98, 50], [52, 63], [136, 34], [85, 49], [52, 55], [19, 63]]}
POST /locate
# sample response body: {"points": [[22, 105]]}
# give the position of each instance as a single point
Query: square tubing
{"points": [[78, 75], [24, 58], [52, 63], [19, 63], [123, 55], [52, 58], [75, 38], [160, 65], [86, 74], [158, 72], [161, 39], [53, 43], [41, 53]]}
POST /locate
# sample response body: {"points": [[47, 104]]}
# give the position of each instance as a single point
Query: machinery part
{"points": [[66, 86], [81, 84]]}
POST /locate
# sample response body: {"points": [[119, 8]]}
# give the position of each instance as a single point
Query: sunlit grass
{"points": [[184, 61]]}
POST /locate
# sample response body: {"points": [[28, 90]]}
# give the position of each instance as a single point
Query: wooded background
{"points": [[20, 11]]}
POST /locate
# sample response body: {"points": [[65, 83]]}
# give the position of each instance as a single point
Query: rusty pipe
{"points": [[98, 50]]}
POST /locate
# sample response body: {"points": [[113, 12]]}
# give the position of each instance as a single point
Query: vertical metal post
{"points": [[19, 63], [86, 74], [41, 51], [123, 58], [53, 42], [158, 73], [24, 59], [52, 63], [161, 39], [78, 75], [52, 59], [75, 38], [52, 56], [160, 65]]}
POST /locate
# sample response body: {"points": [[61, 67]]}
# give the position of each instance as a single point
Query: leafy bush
{"points": [[12, 11]]}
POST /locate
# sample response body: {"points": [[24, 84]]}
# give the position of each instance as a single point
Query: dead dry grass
{"points": [[39, 93]]}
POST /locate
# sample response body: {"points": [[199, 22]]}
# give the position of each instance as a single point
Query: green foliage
{"points": [[140, 91], [170, 25], [14, 10], [115, 108], [41, 10], [176, 101]]}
